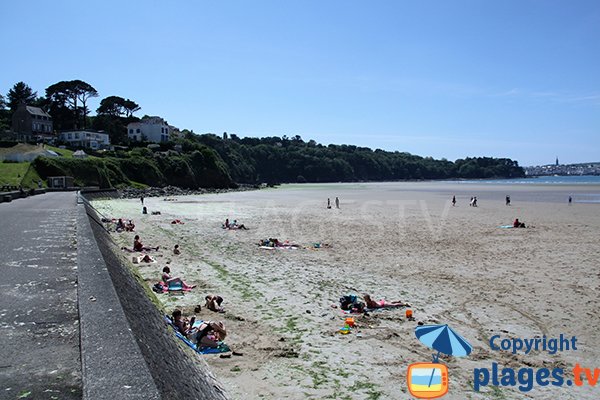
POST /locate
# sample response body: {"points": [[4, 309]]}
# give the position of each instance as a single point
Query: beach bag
{"points": [[158, 288], [347, 302]]}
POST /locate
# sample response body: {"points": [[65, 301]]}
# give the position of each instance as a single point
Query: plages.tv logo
{"points": [[430, 380]]}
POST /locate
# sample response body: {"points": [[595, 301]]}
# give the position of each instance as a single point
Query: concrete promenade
{"points": [[74, 321], [64, 332], [39, 318]]}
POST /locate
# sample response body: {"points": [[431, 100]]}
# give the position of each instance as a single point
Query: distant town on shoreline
{"points": [[589, 168]]}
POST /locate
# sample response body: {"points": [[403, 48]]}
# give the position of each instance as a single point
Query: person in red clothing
{"points": [[518, 224]]}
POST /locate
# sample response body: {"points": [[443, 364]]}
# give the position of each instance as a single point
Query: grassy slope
{"points": [[12, 173], [16, 174]]}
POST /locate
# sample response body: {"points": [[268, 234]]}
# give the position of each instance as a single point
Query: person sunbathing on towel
{"points": [[382, 303], [169, 280], [213, 303], [210, 334], [185, 327]]}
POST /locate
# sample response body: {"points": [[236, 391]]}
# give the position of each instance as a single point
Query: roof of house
{"points": [[37, 111]]}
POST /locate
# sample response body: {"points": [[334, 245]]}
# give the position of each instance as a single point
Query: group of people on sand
{"points": [[207, 334], [337, 203], [233, 225], [128, 226]]}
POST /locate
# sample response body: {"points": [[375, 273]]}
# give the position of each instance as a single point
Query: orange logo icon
{"points": [[427, 380]]}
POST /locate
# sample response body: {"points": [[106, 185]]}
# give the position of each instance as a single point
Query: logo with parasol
{"points": [[430, 380]]}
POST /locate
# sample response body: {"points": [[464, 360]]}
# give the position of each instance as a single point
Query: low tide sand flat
{"points": [[401, 241]]}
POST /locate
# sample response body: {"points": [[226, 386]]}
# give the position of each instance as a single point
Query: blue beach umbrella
{"points": [[443, 339]]}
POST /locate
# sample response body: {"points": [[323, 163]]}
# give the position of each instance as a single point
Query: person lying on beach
{"points": [[169, 280], [138, 246], [183, 325], [147, 258], [120, 225], [234, 225], [274, 242], [210, 334], [518, 224], [382, 303], [213, 303]]}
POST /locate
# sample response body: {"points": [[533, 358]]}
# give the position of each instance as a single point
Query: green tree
{"points": [[130, 107], [20, 93], [112, 106], [4, 115], [70, 94]]}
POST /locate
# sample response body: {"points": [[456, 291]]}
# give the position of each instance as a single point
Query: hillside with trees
{"points": [[195, 161]]}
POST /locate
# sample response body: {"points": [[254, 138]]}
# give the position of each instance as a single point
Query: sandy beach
{"points": [[398, 241]]}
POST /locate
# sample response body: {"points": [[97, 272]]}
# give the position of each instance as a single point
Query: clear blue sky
{"points": [[518, 79]]}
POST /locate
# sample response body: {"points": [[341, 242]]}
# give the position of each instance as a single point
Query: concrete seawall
{"points": [[171, 370]]}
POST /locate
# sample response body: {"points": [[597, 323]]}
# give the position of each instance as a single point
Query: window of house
{"points": [[131, 131], [69, 136], [137, 130], [77, 135]]}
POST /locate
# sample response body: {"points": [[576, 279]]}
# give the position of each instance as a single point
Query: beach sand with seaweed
{"points": [[398, 241]]}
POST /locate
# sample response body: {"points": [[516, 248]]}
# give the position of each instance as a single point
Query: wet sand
{"points": [[398, 241]]}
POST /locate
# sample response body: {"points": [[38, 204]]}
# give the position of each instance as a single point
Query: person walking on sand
{"points": [[507, 200], [570, 200], [453, 201], [142, 199], [328, 203], [337, 202]]}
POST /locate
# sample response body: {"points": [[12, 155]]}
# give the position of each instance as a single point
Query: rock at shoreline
{"points": [[168, 191]]}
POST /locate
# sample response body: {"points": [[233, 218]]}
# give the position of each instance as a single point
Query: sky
{"points": [[446, 79]]}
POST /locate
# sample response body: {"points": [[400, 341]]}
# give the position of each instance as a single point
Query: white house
{"points": [[86, 138], [149, 129]]}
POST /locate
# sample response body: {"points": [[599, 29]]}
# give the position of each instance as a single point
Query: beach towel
{"points": [[279, 247], [221, 348], [173, 287], [506, 226]]}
